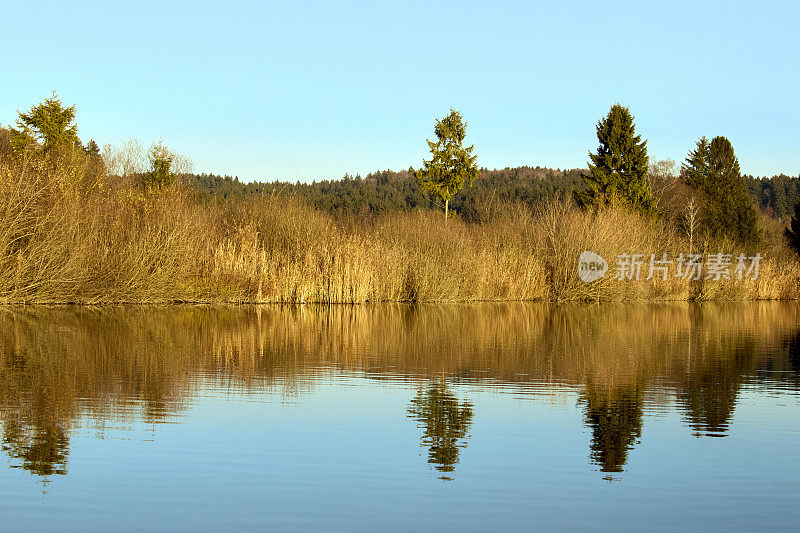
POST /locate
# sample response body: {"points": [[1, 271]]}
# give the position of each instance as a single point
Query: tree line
{"points": [[707, 190], [708, 193], [48, 133], [387, 191]]}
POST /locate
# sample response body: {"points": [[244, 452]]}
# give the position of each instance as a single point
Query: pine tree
{"points": [[95, 166], [712, 169], [5, 142], [50, 124], [161, 159], [793, 231], [92, 150], [618, 171], [451, 165], [696, 166]]}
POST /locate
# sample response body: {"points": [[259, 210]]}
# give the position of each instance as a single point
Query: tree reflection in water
{"points": [[61, 369], [42, 450], [615, 418], [445, 422], [709, 395]]}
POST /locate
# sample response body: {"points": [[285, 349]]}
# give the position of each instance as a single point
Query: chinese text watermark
{"points": [[634, 267]]}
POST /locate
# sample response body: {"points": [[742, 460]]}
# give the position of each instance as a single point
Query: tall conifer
{"points": [[451, 165], [618, 171], [712, 169]]}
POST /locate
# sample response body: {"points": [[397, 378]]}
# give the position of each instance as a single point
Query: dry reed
{"points": [[65, 240]]}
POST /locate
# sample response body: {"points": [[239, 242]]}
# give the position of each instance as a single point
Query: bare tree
{"points": [[663, 179], [124, 160], [692, 211], [182, 164]]}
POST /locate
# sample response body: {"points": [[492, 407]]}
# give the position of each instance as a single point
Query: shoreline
{"points": [[319, 304]]}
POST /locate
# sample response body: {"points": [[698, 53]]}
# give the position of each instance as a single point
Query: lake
{"points": [[670, 416]]}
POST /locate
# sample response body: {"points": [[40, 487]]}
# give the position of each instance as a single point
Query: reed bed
{"points": [[64, 239]]}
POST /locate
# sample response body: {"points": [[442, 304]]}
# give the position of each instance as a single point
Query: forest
{"points": [[386, 190]]}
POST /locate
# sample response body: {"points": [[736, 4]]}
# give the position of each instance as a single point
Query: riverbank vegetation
{"points": [[85, 225]]}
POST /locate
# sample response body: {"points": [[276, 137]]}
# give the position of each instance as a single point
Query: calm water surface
{"points": [[475, 417]]}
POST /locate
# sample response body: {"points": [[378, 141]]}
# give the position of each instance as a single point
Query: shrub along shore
{"points": [[68, 239]]}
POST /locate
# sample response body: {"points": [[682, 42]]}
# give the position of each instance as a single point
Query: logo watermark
{"points": [[632, 267], [591, 266]]}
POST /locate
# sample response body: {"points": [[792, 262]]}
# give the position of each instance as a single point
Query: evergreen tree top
{"points": [[712, 170], [50, 123], [451, 165], [618, 169]]}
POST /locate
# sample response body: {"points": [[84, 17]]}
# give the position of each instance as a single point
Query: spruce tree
{"points": [[95, 167], [618, 171], [695, 169], [793, 231], [451, 164], [712, 169], [50, 124], [92, 149], [161, 162]]}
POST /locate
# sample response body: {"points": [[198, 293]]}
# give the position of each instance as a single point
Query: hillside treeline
{"points": [[386, 191], [776, 196]]}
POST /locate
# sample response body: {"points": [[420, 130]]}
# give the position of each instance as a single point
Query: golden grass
{"points": [[65, 240]]}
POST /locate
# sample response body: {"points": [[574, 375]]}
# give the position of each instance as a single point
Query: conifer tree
{"points": [[451, 165], [696, 166], [50, 124], [793, 231], [161, 159], [712, 169], [618, 171], [5, 142], [95, 166], [92, 149]]}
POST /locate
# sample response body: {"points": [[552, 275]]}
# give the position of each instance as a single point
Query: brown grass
{"points": [[63, 239]]}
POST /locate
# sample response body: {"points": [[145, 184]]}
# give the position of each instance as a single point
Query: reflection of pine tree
{"points": [[710, 400], [710, 393], [616, 422], [445, 422], [43, 449], [794, 354]]}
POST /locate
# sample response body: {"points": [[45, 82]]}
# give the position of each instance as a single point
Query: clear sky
{"points": [[311, 90]]}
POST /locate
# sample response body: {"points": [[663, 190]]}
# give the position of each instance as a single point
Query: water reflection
{"points": [[615, 418], [709, 394], [59, 367], [444, 421], [40, 448]]}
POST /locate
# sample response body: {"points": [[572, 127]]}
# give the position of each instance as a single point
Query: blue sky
{"points": [[302, 91]]}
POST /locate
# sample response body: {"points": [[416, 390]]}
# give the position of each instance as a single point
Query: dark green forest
{"points": [[776, 195], [386, 191]]}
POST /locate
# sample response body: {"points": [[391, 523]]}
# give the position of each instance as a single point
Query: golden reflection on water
{"points": [[125, 364]]}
